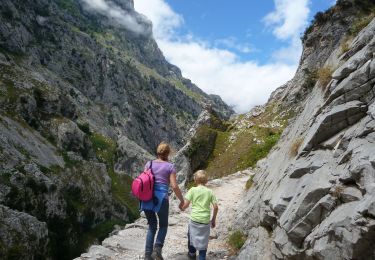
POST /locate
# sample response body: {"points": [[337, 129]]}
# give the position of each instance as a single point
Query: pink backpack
{"points": [[143, 185]]}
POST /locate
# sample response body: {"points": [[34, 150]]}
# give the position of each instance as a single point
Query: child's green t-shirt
{"points": [[201, 198]]}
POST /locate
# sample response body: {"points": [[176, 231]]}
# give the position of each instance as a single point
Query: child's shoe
{"points": [[156, 254]]}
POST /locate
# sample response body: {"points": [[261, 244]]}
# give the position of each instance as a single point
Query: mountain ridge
{"points": [[83, 103]]}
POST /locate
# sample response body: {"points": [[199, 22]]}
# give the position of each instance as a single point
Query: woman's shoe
{"points": [[156, 254], [191, 256], [148, 257]]}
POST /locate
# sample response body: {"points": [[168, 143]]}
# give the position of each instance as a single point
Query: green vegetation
{"points": [[258, 151], [359, 24], [344, 46], [105, 149], [69, 163], [365, 12], [240, 145], [101, 231], [190, 93], [311, 78], [85, 127], [249, 182], [324, 76], [201, 147], [236, 240], [69, 5]]}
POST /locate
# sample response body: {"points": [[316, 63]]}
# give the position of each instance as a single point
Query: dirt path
{"points": [[129, 243]]}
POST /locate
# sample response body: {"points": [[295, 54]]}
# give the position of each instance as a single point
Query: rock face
{"points": [[318, 204], [84, 100]]}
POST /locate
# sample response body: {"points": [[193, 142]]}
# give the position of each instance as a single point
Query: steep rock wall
{"points": [[313, 196]]}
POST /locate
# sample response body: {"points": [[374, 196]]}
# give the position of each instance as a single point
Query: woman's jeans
{"points": [[153, 226], [193, 250]]}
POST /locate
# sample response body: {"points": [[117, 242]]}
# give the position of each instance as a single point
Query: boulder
{"points": [[131, 157], [71, 138], [332, 122]]}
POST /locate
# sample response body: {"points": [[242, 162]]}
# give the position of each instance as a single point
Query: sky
{"points": [[241, 50]]}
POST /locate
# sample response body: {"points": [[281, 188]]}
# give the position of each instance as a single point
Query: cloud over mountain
{"points": [[217, 70]]}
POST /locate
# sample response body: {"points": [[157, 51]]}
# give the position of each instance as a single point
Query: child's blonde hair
{"points": [[200, 177]]}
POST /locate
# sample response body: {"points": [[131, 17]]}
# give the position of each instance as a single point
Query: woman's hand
{"points": [[181, 206], [213, 223]]}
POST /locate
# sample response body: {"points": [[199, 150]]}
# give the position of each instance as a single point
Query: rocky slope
{"points": [[313, 197], [84, 100]]}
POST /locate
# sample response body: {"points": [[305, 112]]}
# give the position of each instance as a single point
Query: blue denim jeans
{"points": [[153, 226], [193, 250]]}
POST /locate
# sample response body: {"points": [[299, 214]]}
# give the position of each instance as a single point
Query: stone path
{"points": [[129, 243]]}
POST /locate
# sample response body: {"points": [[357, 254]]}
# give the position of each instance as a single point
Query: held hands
{"points": [[181, 206]]}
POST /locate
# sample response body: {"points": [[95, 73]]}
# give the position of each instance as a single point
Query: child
{"points": [[199, 226]]}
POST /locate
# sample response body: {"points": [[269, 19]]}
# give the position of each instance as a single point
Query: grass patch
{"points": [[105, 149], [190, 93], [5, 178], [85, 127], [101, 231], [293, 151], [201, 147], [243, 143], [236, 240], [359, 24], [69, 162], [345, 45], [324, 76], [258, 151], [68, 5], [249, 182], [310, 79], [337, 191], [121, 190]]}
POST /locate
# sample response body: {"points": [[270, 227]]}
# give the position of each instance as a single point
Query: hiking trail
{"points": [[129, 243]]}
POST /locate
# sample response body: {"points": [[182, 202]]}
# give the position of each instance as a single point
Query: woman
{"points": [[165, 176]]}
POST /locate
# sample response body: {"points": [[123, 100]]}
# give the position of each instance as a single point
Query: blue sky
{"points": [[224, 24], [241, 50]]}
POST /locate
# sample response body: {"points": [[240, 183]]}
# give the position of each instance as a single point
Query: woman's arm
{"points": [[176, 188], [214, 214]]}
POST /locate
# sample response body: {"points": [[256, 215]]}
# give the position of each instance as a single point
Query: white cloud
{"points": [[289, 18], [242, 84], [164, 19], [233, 43], [116, 13]]}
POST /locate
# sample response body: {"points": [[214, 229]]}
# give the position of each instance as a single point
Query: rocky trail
{"points": [[129, 242]]}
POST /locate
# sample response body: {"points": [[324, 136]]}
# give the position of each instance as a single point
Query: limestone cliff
{"points": [[313, 196], [84, 100]]}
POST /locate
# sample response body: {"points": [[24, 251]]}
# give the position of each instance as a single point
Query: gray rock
{"points": [[131, 157], [22, 234], [350, 194], [257, 245], [331, 123], [71, 138]]}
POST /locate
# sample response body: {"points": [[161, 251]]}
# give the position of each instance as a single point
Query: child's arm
{"points": [[186, 204], [214, 214]]}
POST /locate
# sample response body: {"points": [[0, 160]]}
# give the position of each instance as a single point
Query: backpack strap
{"points": [[151, 167]]}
